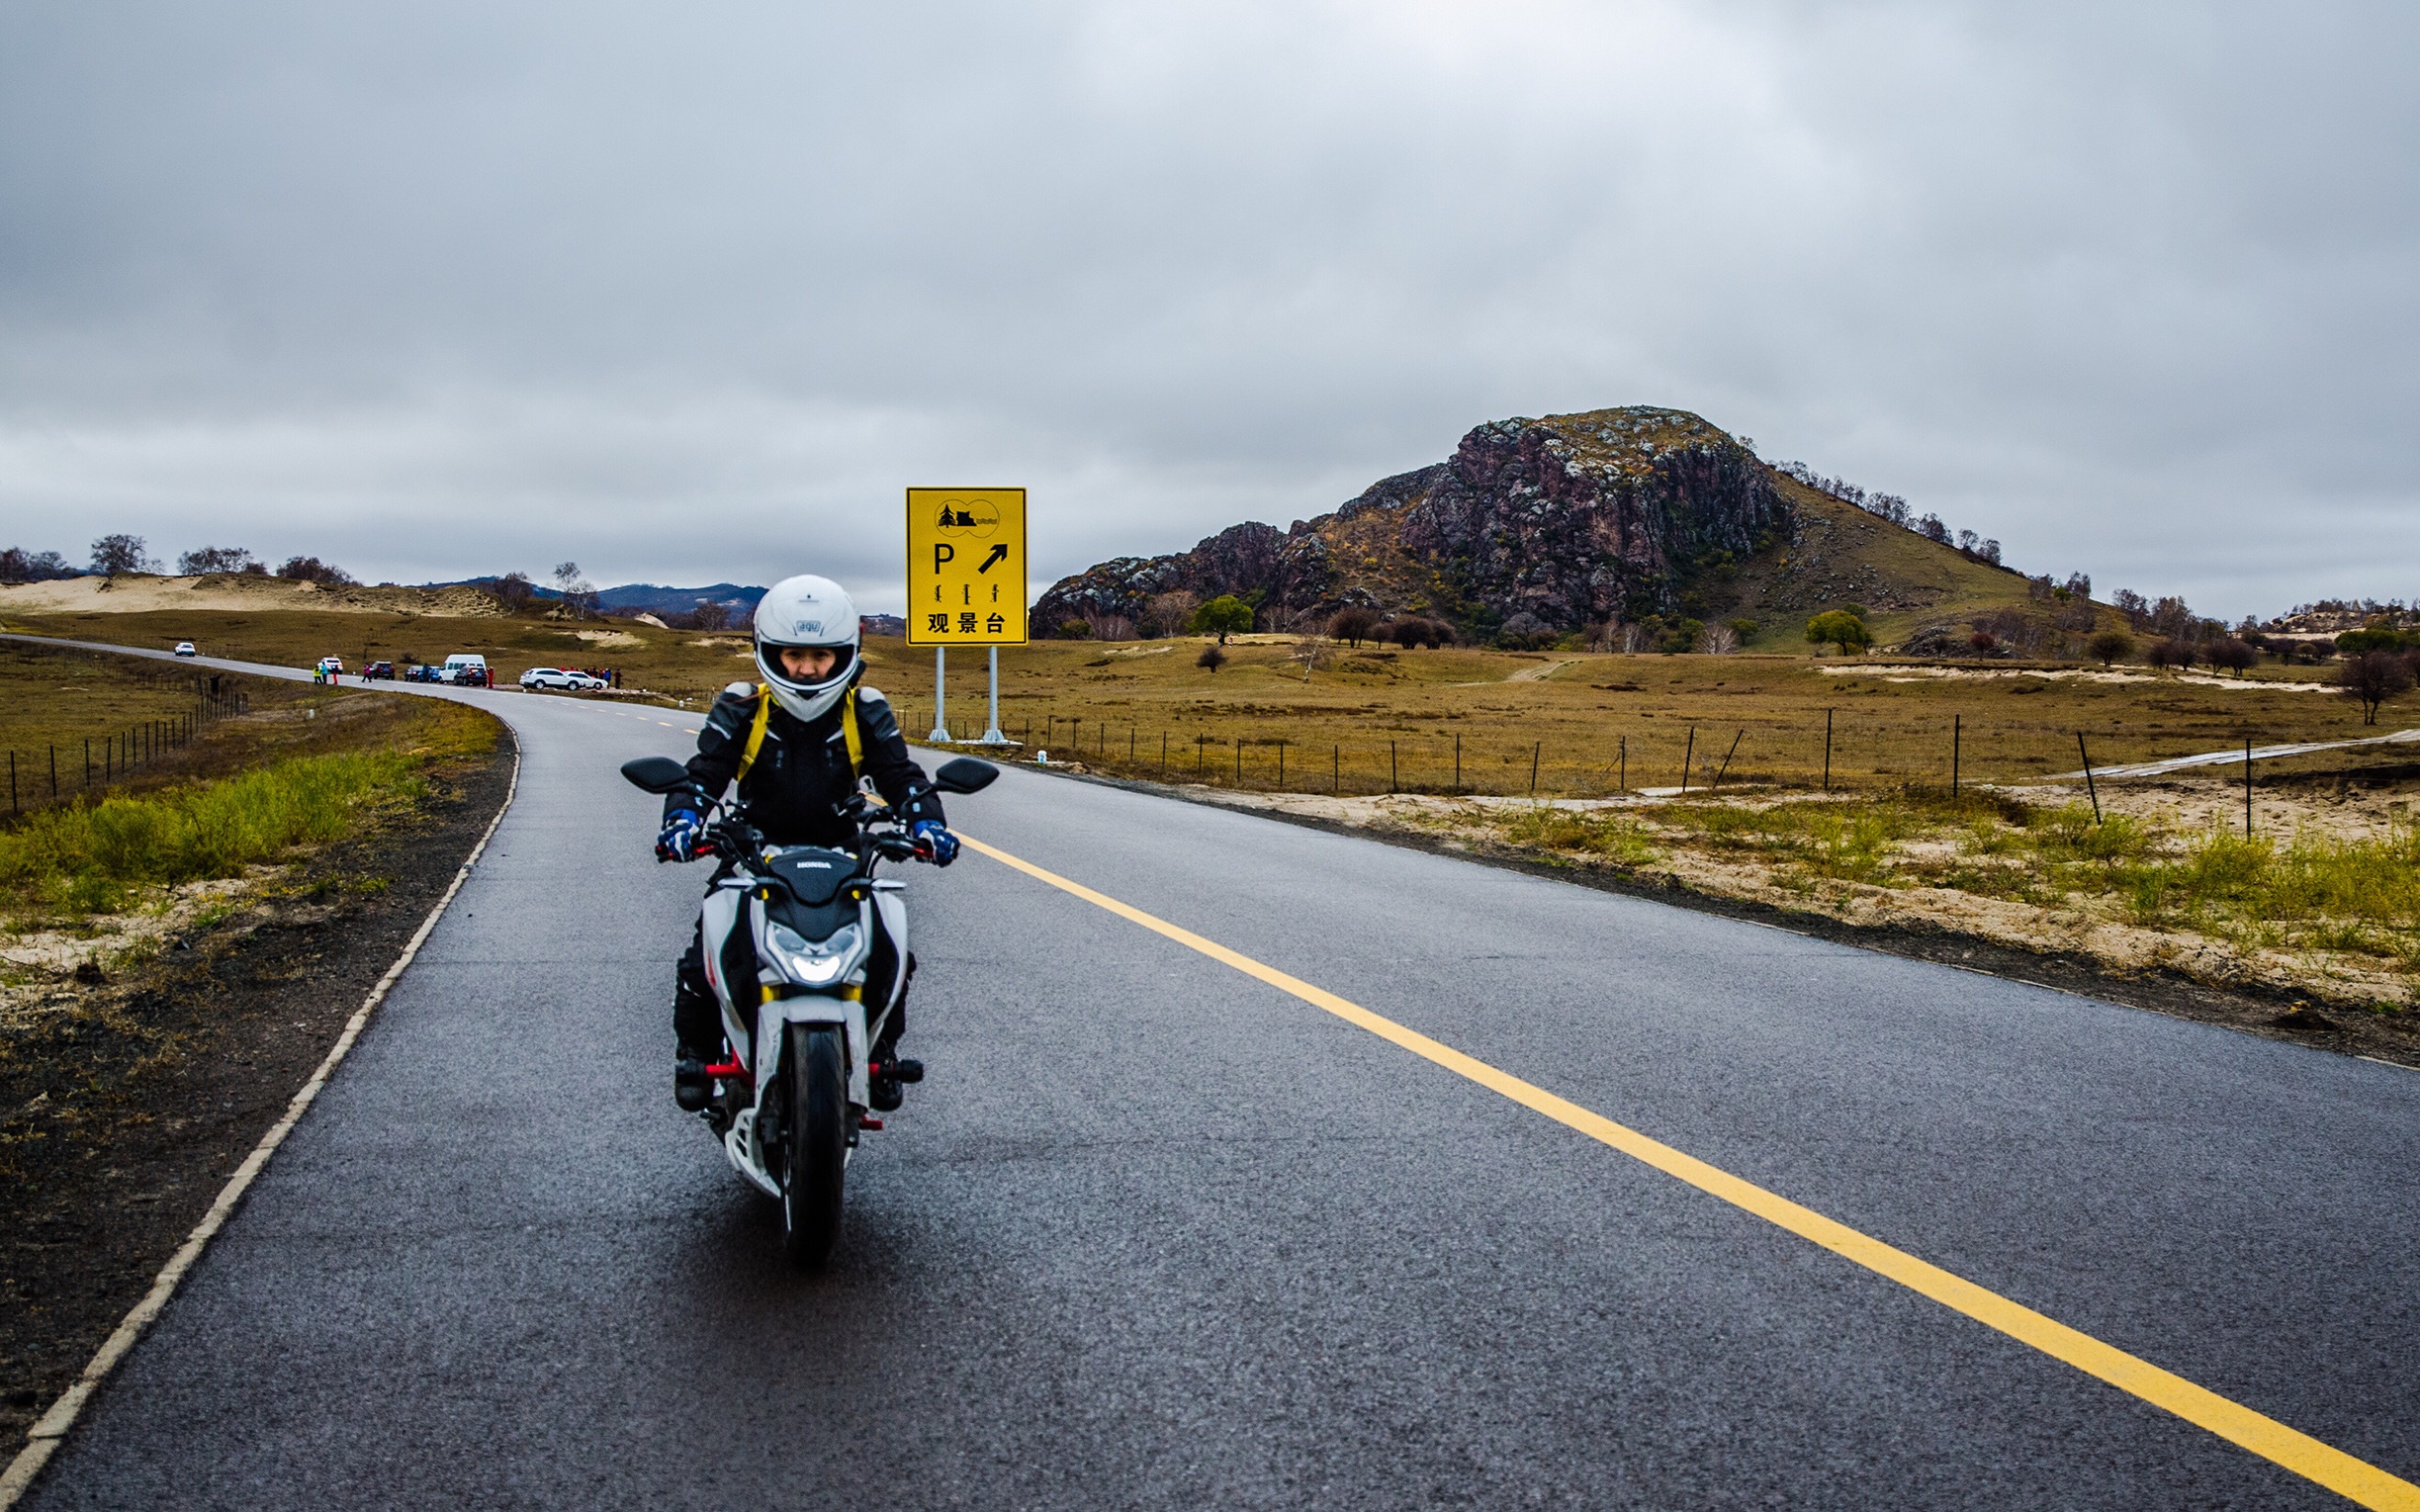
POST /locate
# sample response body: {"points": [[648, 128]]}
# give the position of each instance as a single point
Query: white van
{"points": [[464, 666]]}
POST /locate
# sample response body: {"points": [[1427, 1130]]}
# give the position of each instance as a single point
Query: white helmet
{"points": [[807, 611]]}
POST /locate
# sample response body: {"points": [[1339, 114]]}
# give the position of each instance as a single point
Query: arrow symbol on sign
{"points": [[997, 553]]}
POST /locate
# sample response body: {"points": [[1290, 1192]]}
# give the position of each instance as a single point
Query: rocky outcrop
{"points": [[1572, 519]]}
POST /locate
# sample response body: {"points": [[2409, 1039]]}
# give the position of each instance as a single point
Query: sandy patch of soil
{"points": [[236, 591], [1540, 673], [609, 637], [1910, 673], [105, 938]]}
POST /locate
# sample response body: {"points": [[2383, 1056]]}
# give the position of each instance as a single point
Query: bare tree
{"points": [[578, 592], [1212, 657], [1717, 640], [17, 564], [2234, 656], [512, 591], [2372, 677], [1166, 614], [1309, 651], [205, 560], [1352, 624], [312, 569], [113, 555]]}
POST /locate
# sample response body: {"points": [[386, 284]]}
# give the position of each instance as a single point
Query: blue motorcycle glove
{"points": [[678, 842], [942, 846]]}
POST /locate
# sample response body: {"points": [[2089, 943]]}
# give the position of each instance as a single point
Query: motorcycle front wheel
{"points": [[818, 1150]]}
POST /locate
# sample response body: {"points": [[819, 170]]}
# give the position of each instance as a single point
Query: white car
{"points": [[465, 668], [185, 649], [563, 677], [331, 665]]}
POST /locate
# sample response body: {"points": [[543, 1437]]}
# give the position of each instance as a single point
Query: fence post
{"points": [[1826, 751], [2247, 787], [1240, 760], [1622, 784], [1281, 763], [1727, 755], [1163, 756], [1200, 743], [2087, 777], [1686, 757], [1957, 724], [1335, 770], [1394, 782], [1458, 760], [1534, 750]]}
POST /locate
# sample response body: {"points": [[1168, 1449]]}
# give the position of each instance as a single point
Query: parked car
{"points": [[562, 677], [381, 671], [467, 668], [185, 649]]}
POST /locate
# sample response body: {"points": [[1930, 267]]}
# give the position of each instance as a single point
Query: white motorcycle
{"points": [[796, 938]]}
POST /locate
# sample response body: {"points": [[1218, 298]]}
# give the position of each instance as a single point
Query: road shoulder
{"points": [[124, 1118]]}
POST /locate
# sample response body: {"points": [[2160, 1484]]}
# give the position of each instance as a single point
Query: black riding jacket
{"points": [[801, 772]]}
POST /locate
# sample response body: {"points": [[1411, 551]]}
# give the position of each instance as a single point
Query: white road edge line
{"points": [[43, 1439]]}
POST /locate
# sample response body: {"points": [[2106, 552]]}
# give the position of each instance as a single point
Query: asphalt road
{"points": [[1155, 1234]]}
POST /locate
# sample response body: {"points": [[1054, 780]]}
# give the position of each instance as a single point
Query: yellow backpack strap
{"points": [[764, 713], [755, 732]]}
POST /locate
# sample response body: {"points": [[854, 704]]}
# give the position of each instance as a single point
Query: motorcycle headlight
{"points": [[817, 963]]}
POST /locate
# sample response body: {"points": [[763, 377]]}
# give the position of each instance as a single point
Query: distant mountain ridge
{"points": [[651, 598], [639, 598]]}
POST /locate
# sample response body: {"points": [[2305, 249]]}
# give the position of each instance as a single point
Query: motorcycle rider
{"points": [[796, 743]]}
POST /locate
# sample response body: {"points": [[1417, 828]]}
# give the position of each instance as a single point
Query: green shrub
{"points": [[1839, 627], [87, 858]]}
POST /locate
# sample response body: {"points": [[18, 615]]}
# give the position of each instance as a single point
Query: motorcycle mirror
{"points": [[657, 775], [964, 775]]}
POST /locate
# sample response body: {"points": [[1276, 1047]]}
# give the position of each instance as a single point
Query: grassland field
{"points": [[1368, 719], [2310, 901]]}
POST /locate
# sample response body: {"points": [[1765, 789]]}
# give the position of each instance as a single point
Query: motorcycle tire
{"points": [[818, 1138]]}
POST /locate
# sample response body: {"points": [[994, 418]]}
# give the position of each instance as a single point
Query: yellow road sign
{"points": [[966, 566]]}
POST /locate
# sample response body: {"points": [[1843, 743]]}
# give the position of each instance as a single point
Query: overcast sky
{"points": [[691, 293]]}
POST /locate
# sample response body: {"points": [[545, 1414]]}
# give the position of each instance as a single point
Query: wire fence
{"points": [[1831, 753], [39, 778]]}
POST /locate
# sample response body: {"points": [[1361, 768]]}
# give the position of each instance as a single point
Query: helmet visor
{"points": [[806, 668]]}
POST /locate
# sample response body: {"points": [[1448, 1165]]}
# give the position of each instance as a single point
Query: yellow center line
{"points": [[2356, 1480]]}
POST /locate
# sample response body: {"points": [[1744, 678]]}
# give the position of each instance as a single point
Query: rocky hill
{"points": [[1573, 520]]}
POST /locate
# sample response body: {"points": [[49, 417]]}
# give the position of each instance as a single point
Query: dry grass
{"points": [[2308, 891], [1370, 719], [303, 767], [62, 705], [1374, 719]]}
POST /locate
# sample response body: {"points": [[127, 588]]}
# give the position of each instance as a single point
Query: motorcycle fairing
{"points": [[739, 1143]]}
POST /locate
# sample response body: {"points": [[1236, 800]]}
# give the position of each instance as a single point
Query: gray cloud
{"points": [[689, 295]]}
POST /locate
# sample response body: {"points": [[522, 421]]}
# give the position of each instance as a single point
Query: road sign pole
{"points": [[941, 694], [991, 733]]}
